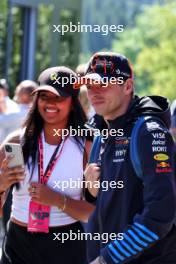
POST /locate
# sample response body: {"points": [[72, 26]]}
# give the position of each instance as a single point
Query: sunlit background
{"points": [[148, 38]]}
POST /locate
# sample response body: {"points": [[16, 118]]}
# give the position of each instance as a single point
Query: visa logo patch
{"points": [[158, 135]]}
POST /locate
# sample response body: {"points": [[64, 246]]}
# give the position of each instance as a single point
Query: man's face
{"points": [[108, 101]]}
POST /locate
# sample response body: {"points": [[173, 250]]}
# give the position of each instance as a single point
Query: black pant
{"points": [[22, 247], [7, 209]]}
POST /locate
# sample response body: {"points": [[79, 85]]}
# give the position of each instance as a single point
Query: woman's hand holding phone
{"points": [[10, 176]]}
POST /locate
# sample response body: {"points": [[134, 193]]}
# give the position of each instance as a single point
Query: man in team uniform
{"points": [[144, 209]]}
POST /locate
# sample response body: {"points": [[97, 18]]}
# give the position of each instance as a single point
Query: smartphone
{"points": [[15, 150]]}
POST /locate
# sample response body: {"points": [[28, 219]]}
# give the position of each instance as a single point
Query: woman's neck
{"points": [[53, 133]]}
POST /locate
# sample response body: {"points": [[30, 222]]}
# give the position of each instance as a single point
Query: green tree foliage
{"points": [[44, 39], [151, 47], [67, 49], [3, 21], [70, 42], [67, 43], [108, 12], [15, 42]]}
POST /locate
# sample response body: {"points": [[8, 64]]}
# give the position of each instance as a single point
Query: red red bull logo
{"points": [[163, 165]]}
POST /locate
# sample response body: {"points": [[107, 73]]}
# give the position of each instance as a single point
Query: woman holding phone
{"points": [[44, 210]]}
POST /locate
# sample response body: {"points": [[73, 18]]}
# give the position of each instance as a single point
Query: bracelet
{"points": [[65, 203]]}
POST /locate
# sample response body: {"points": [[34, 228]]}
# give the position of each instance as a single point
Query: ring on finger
{"points": [[33, 189]]}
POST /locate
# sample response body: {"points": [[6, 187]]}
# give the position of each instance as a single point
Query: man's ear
{"points": [[129, 86]]}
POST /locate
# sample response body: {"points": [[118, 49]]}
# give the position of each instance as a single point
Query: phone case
{"points": [[15, 150]]}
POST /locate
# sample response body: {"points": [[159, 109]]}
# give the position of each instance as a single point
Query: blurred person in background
{"points": [[11, 106], [2, 102], [83, 96], [10, 122], [93, 118], [2, 110], [23, 95]]}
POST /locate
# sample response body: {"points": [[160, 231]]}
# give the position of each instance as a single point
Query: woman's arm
{"points": [[81, 209], [8, 176], [78, 209]]}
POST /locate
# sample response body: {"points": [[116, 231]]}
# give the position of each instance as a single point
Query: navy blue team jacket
{"points": [[142, 213]]}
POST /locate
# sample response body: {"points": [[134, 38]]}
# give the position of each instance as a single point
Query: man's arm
{"points": [[156, 151]]}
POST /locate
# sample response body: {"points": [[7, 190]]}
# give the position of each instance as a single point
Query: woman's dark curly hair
{"points": [[34, 125]]}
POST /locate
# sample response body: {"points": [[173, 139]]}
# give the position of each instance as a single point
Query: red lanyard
{"points": [[44, 176]]}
